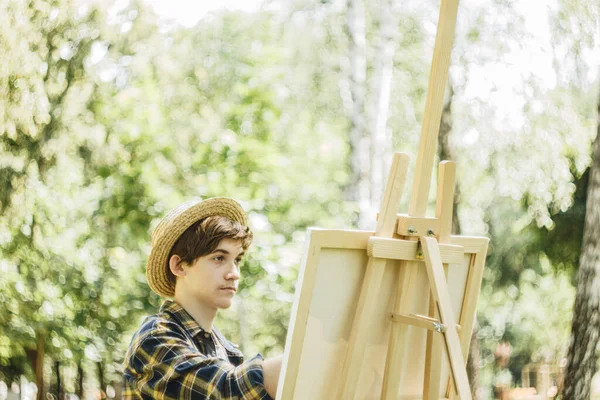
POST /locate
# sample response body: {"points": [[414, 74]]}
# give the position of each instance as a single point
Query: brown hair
{"points": [[204, 236]]}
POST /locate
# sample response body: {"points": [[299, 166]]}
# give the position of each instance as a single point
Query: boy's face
{"points": [[213, 279]]}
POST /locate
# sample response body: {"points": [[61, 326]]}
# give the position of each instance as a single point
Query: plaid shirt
{"points": [[172, 357]]}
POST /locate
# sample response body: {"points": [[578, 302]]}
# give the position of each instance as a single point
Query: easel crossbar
{"points": [[421, 321], [399, 249]]}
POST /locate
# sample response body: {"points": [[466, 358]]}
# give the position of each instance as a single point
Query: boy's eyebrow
{"points": [[227, 252]]}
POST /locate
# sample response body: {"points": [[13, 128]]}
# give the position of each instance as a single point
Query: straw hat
{"points": [[173, 225]]}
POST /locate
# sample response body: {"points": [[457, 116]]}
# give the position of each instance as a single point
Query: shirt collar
{"points": [[184, 318]]}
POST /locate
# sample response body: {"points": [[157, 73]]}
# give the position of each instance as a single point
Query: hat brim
{"points": [[173, 225]]}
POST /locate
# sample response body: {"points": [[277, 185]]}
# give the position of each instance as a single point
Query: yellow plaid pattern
{"points": [[172, 357]]}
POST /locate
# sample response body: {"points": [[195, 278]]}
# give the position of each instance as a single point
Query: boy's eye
{"points": [[219, 258], [238, 260]]}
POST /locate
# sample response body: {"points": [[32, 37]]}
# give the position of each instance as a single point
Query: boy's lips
{"points": [[229, 288]]}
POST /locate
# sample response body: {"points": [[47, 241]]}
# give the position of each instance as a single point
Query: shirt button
{"points": [[206, 335]]}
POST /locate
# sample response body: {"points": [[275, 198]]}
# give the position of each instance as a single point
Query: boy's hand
{"points": [[271, 371]]}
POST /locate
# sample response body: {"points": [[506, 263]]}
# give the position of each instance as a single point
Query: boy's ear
{"points": [[176, 265]]}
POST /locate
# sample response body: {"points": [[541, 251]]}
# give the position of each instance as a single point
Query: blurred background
{"points": [[111, 113]]}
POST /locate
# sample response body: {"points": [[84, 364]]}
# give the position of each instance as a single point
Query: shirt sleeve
{"points": [[165, 366]]}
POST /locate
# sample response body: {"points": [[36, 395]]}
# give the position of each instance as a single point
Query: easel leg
{"points": [[435, 342], [393, 362], [433, 359], [372, 280], [441, 295]]}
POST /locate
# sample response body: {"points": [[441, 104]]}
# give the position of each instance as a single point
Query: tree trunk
{"points": [[383, 68], [473, 362], [38, 366], [582, 357], [79, 390], [101, 381], [58, 385], [358, 187]]}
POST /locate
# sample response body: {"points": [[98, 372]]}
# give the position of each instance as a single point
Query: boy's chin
{"points": [[224, 305]]}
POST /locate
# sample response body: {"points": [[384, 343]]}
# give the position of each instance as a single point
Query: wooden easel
{"points": [[342, 308], [443, 335], [389, 242]]}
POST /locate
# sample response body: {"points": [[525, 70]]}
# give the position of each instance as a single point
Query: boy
{"points": [[178, 354]]}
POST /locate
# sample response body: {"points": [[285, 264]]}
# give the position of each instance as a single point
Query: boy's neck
{"points": [[202, 314]]}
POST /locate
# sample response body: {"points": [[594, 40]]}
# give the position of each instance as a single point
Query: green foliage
{"points": [[109, 118], [562, 244], [528, 316], [122, 134]]}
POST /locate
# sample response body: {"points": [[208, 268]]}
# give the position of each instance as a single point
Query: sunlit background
{"points": [[111, 113]]}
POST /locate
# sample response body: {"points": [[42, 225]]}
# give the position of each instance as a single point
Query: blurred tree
{"points": [[531, 176], [46, 90], [582, 357], [360, 145], [218, 130], [381, 38], [381, 85]]}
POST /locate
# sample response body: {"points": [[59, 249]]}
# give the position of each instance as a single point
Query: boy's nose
{"points": [[233, 274]]}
